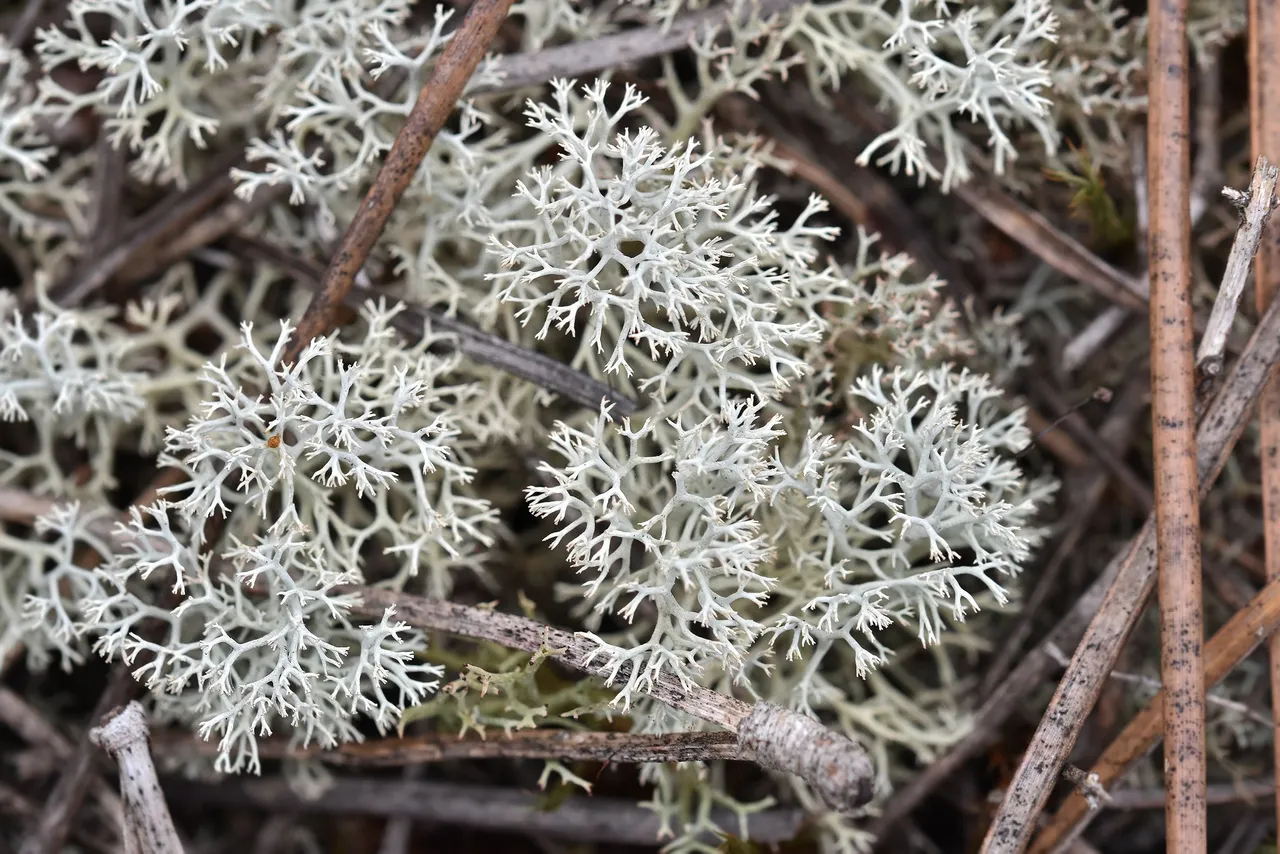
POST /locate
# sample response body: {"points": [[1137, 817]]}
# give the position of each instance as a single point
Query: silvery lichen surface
{"points": [[816, 502]]}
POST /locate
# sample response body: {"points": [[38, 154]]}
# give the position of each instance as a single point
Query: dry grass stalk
{"points": [[1227, 648], [1264, 116], [1255, 208], [1108, 609], [1127, 584], [435, 104], [1173, 403], [837, 768]]}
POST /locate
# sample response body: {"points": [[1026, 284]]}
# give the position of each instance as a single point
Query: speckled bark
{"points": [[1264, 118], [148, 828], [1173, 424], [435, 104], [1228, 647], [776, 738], [1219, 430]]}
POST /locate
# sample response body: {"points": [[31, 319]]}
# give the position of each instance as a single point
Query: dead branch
{"points": [[565, 745], [1107, 608], [1255, 207], [148, 827], [435, 104], [601, 820], [1173, 408], [1264, 140], [838, 769], [771, 736], [620, 50], [1225, 650]]}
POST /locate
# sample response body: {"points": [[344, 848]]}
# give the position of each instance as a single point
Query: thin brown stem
{"points": [[432, 109], [838, 769], [1108, 608], [1227, 648], [1264, 138], [586, 820], [621, 747], [473, 342], [1173, 406]]}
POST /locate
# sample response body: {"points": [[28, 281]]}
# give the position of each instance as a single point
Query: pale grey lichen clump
{"points": [[812, 501]]}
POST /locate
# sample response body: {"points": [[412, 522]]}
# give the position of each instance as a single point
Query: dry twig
{"points": [[1264, 137], [600, 820], [1108, 607], [432, 109], [778, 739], [1177, 544], [1173, 408], [1255, 208], [1227, 648], [565, 745], [148, 827], [771, 736]]}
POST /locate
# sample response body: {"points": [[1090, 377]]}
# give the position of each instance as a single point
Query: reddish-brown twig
{"points": [[1128, 582], [1173, 402], [1264, 117], [1173, 533], [564, 745], [435, 104], [837, 768], [1227, 648]]}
